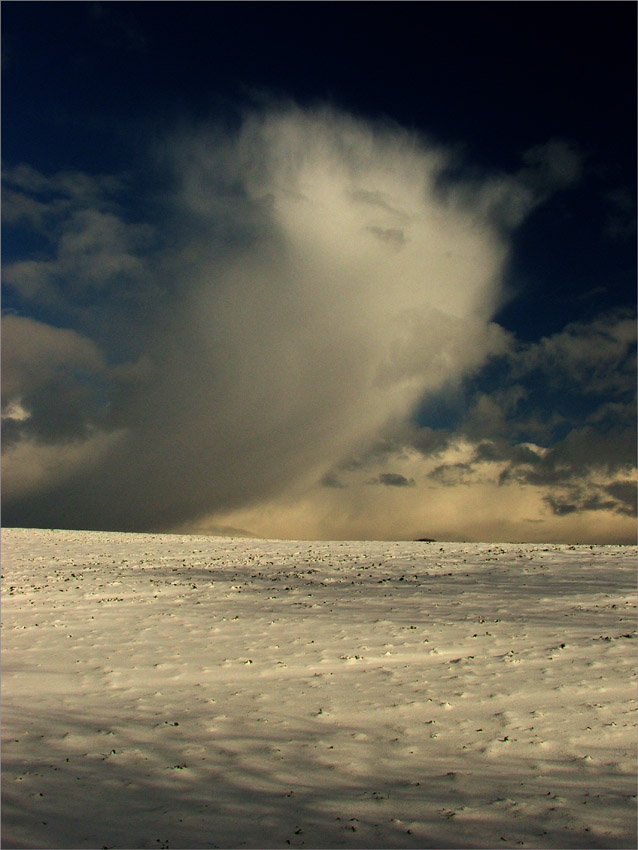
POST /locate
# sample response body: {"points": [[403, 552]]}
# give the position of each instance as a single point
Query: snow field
{"points": [[169, 691]]}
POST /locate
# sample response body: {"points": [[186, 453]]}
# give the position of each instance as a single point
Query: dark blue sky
{"points": [[99, 89], [85, 84]]}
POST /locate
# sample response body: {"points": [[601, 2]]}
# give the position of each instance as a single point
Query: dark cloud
{"points": [[451, 474], [250, 333], [53, 382], [500, 450], [248, 340], [590, 497], [565, 410], [378, 199], [553, 165], [393, 479], [331, 480], [392, 236], [621, 215], [582, 452], [429, 442], [92, 267], [626, 495], [592, 358], [560, 506]]}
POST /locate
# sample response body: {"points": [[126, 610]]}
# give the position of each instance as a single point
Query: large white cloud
{"points": [[306, 280]]}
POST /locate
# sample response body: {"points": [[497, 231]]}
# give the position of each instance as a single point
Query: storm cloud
{"points": [[285, 302], [299, 285]]}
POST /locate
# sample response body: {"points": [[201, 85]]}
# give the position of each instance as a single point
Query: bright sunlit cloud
{"points": [[303, 283]]}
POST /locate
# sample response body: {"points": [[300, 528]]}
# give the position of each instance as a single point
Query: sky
{"points": [[320, 270]]}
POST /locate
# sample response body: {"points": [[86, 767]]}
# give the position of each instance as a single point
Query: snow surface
{"points": [[196, 692]]}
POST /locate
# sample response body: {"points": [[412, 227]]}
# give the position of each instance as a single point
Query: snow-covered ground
{"points": [[162, 691]]}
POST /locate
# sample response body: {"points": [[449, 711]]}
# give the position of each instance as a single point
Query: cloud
{"points": [[481, 510], [619, 497], [625, 495], [562, 423], [507, 199], [553, 165], [255, 350], [51, 382], [621, 214], [19, 208], [451, 474], [87, 245], [393, 479], [560, 506], [598, 356], [257, 329], [66, 186], [330, 479], [484, 477], [393, 236]]}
